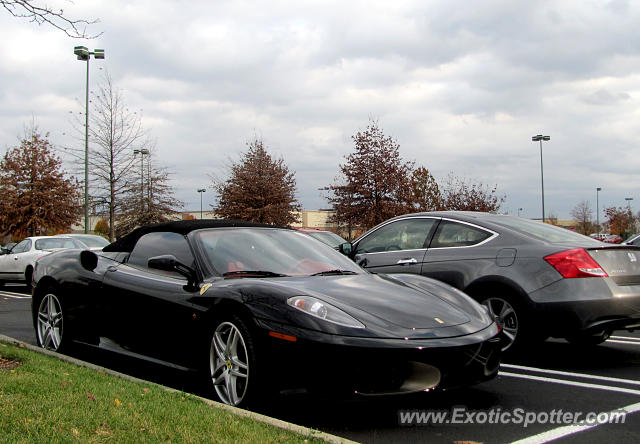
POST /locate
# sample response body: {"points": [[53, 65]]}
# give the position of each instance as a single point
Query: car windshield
{"points": [[267, 252], [545, 232], [51, 243], [93, 241], [328, 238]]}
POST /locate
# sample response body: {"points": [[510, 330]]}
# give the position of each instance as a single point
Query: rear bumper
{"points": [[586, 305]]}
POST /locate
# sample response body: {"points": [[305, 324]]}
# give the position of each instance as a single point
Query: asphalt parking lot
{"points": [[536, 397]]}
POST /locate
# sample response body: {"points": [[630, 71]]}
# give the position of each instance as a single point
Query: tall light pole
{"points": [[629, 199], [540, 138], [142, 153], [598, 189], [84, 54], [519, 210], [201, 190]]}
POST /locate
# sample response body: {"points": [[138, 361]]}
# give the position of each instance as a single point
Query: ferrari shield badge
{"points": [[204, 288]]}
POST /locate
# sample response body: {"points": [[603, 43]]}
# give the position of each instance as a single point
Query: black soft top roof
{"points": [[128, 241]]}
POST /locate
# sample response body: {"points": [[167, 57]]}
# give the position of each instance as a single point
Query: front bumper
{"points": [[378, 369]]}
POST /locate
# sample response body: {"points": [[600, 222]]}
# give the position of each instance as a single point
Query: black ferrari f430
{"points": [[252, 308]]}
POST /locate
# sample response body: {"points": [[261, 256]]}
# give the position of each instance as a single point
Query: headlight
{"points": [[320, 309]]}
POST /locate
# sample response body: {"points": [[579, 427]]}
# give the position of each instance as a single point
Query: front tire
{"points": [[233, 366], [49, 323]]}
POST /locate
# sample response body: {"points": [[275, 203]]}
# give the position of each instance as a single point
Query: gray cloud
{"points": [[462, 86]]}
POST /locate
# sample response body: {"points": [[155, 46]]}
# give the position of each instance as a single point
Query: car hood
{"points": [[381, 299]]}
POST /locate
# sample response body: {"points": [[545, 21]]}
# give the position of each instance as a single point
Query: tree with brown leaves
{"points": [[620, 220], [37, 195], [259, 189], [374, 184], [426, 192]]}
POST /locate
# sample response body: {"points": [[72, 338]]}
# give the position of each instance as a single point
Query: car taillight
{"points": [[575, 263]]}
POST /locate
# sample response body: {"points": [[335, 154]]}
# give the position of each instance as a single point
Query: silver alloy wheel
{"points": [[505, 316], [50, 323], [229, 364]]}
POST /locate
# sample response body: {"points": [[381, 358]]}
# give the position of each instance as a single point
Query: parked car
{"points": [[254, 307], [16, 265], [328, 237], [612, 239], [536, 279], [91, 241]]}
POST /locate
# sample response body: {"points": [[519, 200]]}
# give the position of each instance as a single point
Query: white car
{"points": [[16, 265]]}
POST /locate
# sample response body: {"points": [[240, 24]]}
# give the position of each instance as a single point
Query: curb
{"points": [[304, 431]]}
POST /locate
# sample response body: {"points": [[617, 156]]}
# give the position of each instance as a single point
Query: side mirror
{"points": [[4, 251], [88, 260], [346, 248], [168, 262]]}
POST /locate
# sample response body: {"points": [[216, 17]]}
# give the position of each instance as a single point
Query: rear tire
{"points": [[511, 315]]}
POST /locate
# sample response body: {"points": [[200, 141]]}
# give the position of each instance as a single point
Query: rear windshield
{"points": [[57, 242], [546, 232]]}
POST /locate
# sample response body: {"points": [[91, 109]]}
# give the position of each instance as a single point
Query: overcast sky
{"points": [[462, 86]]}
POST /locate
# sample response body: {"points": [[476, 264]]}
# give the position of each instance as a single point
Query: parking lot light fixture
{"points": [[598, 189], [540, 138], [84, 54], [142, 153], [201, 190]]}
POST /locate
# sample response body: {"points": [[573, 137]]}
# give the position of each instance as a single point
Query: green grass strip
{"points": [[48, 400]]}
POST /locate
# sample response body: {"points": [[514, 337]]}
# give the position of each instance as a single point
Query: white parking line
{"points": [[561, 432], [575, 375], [609, 341], [625, 338], [572, 383], [9, 294]]}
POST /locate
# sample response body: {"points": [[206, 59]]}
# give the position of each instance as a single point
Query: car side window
{"points": [[21, 247], [453, 234], [406, 234], [158, 244]]}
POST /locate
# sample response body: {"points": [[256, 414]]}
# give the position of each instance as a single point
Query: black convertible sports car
{"points": [[253, 307]]}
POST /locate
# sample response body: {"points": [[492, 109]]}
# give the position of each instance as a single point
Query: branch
{"points": [[43, 14]]}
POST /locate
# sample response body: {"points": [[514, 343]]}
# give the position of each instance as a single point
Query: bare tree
{"points": [[374, 184], [150, 200], [259, 189], [37, 195], [115, 131], [584, 217], [37, 12]]}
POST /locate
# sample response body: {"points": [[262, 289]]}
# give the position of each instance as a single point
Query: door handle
{"points": [[407, 261]]}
